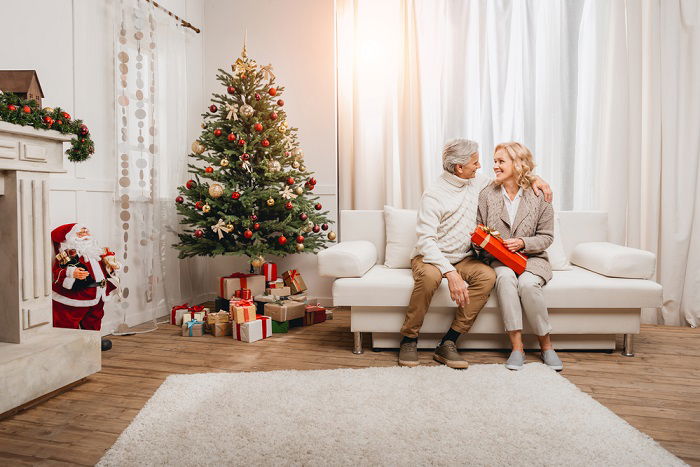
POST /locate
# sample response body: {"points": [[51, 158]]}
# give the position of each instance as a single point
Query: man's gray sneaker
{"points": [[408, 354], [516, 361], [447, 354], [550, 358]]}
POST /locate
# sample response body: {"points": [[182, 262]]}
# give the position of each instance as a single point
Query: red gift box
{"points": [[491, 241], [243, 294], [256, 284], [314, 314], [173, 317], [269, 270]]}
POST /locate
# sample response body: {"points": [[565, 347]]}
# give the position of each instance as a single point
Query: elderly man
{"points": [[446, 217]]}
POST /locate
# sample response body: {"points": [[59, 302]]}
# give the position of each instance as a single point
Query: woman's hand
{"points": [[514, 244]]}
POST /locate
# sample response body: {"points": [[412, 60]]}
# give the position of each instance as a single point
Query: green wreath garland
{"points": [[26, 112]]}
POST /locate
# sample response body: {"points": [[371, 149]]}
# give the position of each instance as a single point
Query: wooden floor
{"points": [[658, 391]]}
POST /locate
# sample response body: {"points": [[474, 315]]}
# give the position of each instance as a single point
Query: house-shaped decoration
{"points": [[24, 83]]}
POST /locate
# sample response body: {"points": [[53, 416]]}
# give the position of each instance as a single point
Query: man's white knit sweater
{"points": [[446, 217]]}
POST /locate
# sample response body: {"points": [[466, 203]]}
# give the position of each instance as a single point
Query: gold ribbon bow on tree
{"points": [[232, 111], [287, 193], [243, 67], [246, 166], [220, 227], [267, 72]]}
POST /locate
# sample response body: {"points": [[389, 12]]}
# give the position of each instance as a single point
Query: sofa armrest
{"points": [[347, 259], [614, 260]]}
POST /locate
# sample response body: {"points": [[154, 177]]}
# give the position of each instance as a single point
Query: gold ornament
{"points": [[204, 126], [198, 148], [283, 127], [48, 109], [206, 208], [331, 235], [296, 164], [299, 190], [302, 168], [270, 202], [257, 262], [216, 190], [224, 162], [274, 166], [306, 229], [300, 247], [229, 227], [246, 111], [298, 153]]}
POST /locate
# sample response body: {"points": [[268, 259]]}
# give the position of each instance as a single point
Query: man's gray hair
{"points": [[458, 151]]}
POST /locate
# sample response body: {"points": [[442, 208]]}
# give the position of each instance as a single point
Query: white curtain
{"points": [[605, 94], [151, 111]]}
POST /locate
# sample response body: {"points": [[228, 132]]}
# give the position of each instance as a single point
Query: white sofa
{"points": [[587, 309]]}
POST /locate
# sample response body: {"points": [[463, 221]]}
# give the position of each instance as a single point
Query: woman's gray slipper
{"points": [[550, 358], [516, 360]]}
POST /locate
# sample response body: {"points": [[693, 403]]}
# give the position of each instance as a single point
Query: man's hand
{"points": [[80, 273], [514, 244], [458, 288], [540, 186]]}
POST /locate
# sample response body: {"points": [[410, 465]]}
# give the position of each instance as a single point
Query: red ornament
{"points": [[303, 216], [241, 142], [316, 228], [282, 240], [265, 143], [198, 233], [312, 181], [190, 184], [257, 96], [309, 186], [48, 120], [65, 115], [198, 205], [11, 107], [318, 206], [217, 132], [273, 91], [248, 233], [290, 181], [231, 90], [245, 156], [257, 127], [273, 116], [324, 226], [288, 205], [213, 108], [84, 130], [209, 170], [235, 195], [256, 226], [59, 122], [231, 137], [300, 239], [280, 102], [253, 217], [179, 200], [26, 109]]}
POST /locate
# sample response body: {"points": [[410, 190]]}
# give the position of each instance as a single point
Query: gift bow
{"points": [[245, 165], [242, 303], [287, 193], [220, 227], [196, 308], [267, 72], [293, 273], [191, 324], [232, 111]]}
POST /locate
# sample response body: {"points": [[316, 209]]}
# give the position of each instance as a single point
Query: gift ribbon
{"points": [[265, 320], [236, 275], [244, 294], [232, 111], [174, 309], [246, 311], [492, 232], [267, 72], [270, 272], [190, 325], [220, 227]]}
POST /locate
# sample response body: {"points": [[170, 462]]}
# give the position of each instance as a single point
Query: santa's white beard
{"points": [[84, 246]]}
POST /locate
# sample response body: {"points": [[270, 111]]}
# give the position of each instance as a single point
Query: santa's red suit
{"points": [[78, 309]]}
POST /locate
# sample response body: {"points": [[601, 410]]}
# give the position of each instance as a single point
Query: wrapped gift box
{"points": [[269, 270], [193, 328], [251, 331], [218, 317], [329, 314], [243, 294], [276, 284], [280, 327], [279, 292], [284, 310], [221, 329], [491, 241], [194, 316], [294, 281], [222, 303], [242, 311], [300, 297], [229, 284], [314, 314], [176, 314]]}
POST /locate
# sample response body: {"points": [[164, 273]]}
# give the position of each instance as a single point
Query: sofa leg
{"points": [[357, 343], [628, 346]]}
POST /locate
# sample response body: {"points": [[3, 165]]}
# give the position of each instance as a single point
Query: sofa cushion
{"points": [[555, 252], [347, 259], [576, 288], [614, 260], [400, 236]]}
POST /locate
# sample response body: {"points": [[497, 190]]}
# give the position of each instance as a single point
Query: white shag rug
{"points": [[485, 415]]}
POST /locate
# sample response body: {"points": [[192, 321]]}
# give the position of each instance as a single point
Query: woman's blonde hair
{"points": [[523, 162]]}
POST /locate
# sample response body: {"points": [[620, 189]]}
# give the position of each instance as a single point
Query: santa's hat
{"points": [[59, 234]]}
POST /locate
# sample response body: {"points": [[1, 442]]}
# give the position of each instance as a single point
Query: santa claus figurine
{"points": [[83, 277]]}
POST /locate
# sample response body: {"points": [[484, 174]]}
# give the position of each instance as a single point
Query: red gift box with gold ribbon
{"points": [[237, 281], [491, 241]]}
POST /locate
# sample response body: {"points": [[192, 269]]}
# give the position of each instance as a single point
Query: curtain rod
{"points": [[186, 24]]}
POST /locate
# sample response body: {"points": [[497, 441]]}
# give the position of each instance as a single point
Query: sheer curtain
{"points": [[604, 93], [151, 107]]}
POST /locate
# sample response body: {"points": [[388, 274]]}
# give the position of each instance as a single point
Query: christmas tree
{"points": [[250, 192]]}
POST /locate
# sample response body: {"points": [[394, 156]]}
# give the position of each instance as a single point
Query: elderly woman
{"points": [[526, 223]]}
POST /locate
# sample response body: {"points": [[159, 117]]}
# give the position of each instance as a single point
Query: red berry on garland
{"points": [[198, 233], [241, 142], [59, 122], [280, 102], [282, 240], [231, 90], [209, 170], [11, 107], [253, 217], [324, 226], [257, 96], [65, 115], [245, 156], [316, 228], [265, 143], [273, 91], [82, 140], [318, 206], [179, 200], [288, 205], [26, 109], [235, 195], [303, 216], [198, 205], [257, 127], [300, 239], [231, 137], [290, 181], [273, 116], [256, 226], [213, 108], [217, 132], [248, 233], [190, 184]]}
